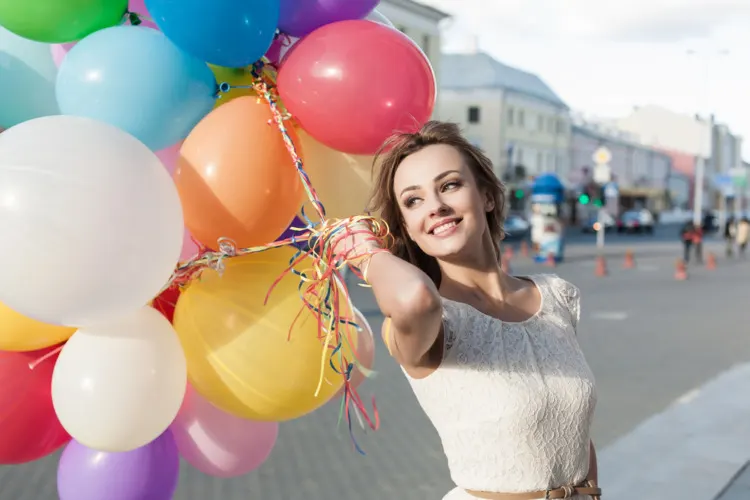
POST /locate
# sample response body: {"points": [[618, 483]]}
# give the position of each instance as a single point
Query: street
{"points": [[649, 339]]}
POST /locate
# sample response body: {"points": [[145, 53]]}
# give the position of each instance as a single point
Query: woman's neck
{"points": [[480, 277]]}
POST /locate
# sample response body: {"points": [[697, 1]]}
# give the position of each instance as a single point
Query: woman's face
{"points": [[443, 209]]}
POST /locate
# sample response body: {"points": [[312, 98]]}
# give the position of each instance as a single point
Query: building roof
{"points": [[480, 70], [613, 139], [419, 8]]}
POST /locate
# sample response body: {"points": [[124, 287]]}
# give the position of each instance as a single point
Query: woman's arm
{"points": [[593, 466], [410, 299]]}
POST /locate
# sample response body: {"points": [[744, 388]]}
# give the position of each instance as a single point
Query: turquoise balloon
{"points": [[136, 79], [27, 80]]}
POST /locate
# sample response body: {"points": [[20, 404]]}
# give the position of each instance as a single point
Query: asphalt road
{"points": [[649, 339]]}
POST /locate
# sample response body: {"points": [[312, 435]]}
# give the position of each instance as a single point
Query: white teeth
{"points": [[444, 227]]}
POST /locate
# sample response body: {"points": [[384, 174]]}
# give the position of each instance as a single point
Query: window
{"points": [[511, 115], [519, 156], [540, 123], [426, 45], [551, 162], [551, 125], [539, 162], [521, 119], [474, 114], [561, 126]]}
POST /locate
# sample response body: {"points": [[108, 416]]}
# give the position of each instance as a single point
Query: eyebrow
{"points": [[436, 179]]}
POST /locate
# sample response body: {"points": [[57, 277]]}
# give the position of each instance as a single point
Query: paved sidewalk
{"points": [[697, 449]]}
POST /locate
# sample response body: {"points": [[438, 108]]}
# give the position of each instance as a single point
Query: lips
{"points": [[444, 225]]}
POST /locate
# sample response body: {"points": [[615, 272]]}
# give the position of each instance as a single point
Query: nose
{"points": [[438, 207]]}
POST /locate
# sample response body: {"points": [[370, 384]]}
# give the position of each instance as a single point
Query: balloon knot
{"points": [[134, 19]]}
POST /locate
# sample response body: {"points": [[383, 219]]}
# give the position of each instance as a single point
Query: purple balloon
{"points": [[150, 472], [300, 17], [288, 233]]}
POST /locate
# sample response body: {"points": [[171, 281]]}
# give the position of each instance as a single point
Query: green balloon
{"points": [[60, 21]]}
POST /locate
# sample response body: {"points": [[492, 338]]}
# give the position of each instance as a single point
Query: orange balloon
{"points": [[342, 181], [236, 178]]}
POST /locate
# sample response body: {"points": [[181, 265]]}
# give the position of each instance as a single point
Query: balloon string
{"points": [[37, 362], [322, 288]]}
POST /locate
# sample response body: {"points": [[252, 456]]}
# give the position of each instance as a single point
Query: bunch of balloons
{"points": [[140, 136]]}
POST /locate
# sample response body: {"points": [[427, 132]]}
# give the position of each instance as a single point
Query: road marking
{"points": [[610, 315]]}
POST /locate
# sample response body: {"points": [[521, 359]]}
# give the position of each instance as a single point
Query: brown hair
{"points": [[389, 157]]}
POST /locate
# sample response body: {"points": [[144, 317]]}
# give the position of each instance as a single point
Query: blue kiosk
{"points": [[547, 233]]}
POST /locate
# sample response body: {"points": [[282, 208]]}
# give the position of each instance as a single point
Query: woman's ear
{"points": [[489, 203]]}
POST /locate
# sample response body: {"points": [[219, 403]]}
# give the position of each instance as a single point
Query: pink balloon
{"points": [[189, 247], [219, 444], [169, 156], [60, 50], [365, 351]]}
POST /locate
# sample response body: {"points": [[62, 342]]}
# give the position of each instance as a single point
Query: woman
{"points": [[743, 235], [493, 359]]}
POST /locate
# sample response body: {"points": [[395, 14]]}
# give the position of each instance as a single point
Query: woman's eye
{"points": [[451, 185], [410, 201]]}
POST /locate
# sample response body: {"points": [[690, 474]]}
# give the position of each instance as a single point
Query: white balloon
{"points": [[119, 385], [379, 18], [90, 221]]}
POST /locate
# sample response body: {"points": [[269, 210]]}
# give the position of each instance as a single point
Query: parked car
{"points": [[516, 227], [592, 224], [636, 221]]}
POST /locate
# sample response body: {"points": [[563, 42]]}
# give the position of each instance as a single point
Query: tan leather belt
{"points": [[586, 488]]}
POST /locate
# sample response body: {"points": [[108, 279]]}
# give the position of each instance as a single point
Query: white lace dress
{"points": [[513, 402]]}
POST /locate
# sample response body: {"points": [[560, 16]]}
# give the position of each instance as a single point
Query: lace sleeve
{"points": [[452, 322], [570, 296]]}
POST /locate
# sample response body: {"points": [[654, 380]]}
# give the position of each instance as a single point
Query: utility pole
{"points": [[700, 167]]}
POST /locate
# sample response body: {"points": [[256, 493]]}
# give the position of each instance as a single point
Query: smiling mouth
{"points": [[445, 227]]}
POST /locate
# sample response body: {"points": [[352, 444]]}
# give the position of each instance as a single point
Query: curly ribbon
{"points": [[322, 288]]}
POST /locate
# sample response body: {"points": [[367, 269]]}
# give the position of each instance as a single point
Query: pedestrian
{"points": [[730, 232], [743, 234], [687, 234], [492, 358], [698, 242]]}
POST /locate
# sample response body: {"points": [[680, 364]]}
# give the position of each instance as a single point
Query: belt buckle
{"points": [[568, 492]]}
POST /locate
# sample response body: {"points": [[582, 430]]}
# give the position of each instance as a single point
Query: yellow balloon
{"points": [[19, 333], [232, 76], [241, 354], [342, 181]]}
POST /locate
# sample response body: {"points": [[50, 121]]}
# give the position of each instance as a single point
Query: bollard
{"points": [[550, 262], [601, 266], [524, 248], [629, 260], [711, 261], [680, 270]]}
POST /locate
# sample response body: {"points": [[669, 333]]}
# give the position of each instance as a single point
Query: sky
{"points": [[603, 57]]}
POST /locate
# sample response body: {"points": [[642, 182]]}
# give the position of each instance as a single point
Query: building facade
{"points": [[643, 175], [421, 23], [523, 126], [708, 143]]}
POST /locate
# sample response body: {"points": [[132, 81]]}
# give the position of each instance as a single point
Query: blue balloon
{"points": [[27, 80], [136, 79], [231, 33]]}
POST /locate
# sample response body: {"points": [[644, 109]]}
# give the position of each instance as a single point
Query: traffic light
{"points": [[584, 199]]}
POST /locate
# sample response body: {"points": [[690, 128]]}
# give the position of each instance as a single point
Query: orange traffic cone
{"points": [[524, 248], [680, 270], [629, 260], [711, 261], [505, 265], [601, 266], [551, 262]]}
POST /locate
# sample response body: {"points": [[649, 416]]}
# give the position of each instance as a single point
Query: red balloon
{"points": [[29, 428], [352, 84], [166, 301]]}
